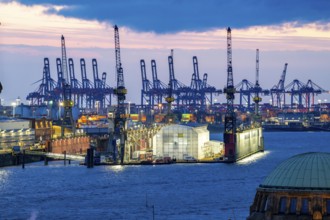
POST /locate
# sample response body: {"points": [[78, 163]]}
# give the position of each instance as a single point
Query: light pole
{"points": [[160, 108], [59, 110], [97, 105], [14, 105], [49, 109]]}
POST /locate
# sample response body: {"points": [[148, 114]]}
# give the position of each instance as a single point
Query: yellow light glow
{"points": [[117, 168], [253, 158]]}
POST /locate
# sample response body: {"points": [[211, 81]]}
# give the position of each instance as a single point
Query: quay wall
{"points": [[248, 142], [9, 159], [75, 145]]}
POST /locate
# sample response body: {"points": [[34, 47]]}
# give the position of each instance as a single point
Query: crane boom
{"points": [[257, 67], [119, 69], [282, 80], [64, 61]]}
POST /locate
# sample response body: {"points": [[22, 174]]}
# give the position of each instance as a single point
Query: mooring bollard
{"points": [[64, 157], [23, 159], [87, 160], [46, 160], [90, 158]]}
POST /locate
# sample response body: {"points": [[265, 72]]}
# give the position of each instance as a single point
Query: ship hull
{"points": [[294, 128]]}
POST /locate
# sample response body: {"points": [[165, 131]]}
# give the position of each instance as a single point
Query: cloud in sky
{"points": [[192, 15], [34, 26], [30, 32]]}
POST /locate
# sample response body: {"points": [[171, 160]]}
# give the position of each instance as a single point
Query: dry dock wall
{"points": [[248, 142]]}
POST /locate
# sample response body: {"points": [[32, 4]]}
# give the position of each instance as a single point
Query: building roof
{"points": [[309, 171], [193, 124]]}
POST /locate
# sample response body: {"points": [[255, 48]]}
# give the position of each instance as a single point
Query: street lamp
{"points": [[14, 105], [49, 108], [97, 105], [160, 108], [59, 110]]}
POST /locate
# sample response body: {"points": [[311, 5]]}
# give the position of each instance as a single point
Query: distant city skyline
{"points": [[294, 32]]}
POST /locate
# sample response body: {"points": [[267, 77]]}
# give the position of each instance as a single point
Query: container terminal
{"points": [[171, 124]]}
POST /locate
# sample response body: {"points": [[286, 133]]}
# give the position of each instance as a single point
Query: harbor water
{"points": [[175, 191]]}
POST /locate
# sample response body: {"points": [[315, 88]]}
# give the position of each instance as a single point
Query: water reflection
{"points": [[4, 174], [116, 168], [253, 158]]}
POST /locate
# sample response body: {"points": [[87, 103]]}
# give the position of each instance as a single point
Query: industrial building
{"points": [[15, 132], [185, 142], [299, 188]]}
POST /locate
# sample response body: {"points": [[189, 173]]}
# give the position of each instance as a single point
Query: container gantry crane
{"points": [[295, 89], [45, 92], [277, 92], [309, 91], [196, 97], [178, 88], [75, 84], [60, 79], [120, 114], [98, 90], [245, 90], [87, 86], [158, 87], [209, 90], [170, 118], [146, 92]]}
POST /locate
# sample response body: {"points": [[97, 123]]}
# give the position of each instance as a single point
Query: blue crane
{"points": [[208, 90], [177, 87], [87, 99], [45, 91], [75, 84], [98, 90], [278, 91], [295, 89], [309, 91], [245, 90], [196, 98], [146, 92], [158, 87]]}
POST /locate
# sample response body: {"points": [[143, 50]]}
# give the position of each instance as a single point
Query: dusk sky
{"points": [[296, 32]]}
